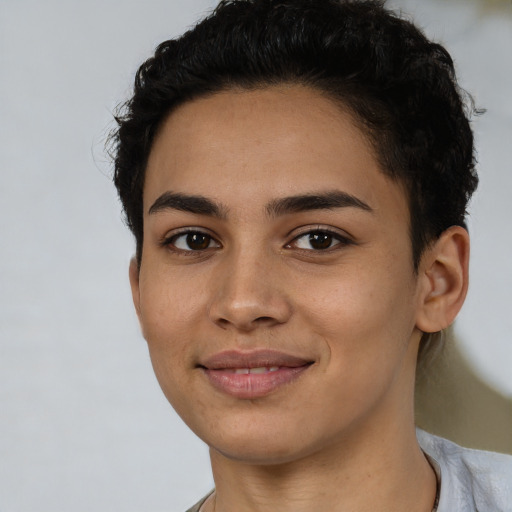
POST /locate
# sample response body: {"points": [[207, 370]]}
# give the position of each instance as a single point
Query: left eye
{"points": [[318, 241], [193, 241]]}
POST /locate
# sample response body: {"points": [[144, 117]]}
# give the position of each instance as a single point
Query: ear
{"points": [[134, 284], [443, 280]]}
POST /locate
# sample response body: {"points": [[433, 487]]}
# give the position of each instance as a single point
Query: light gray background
{"points": [[83, 424]]}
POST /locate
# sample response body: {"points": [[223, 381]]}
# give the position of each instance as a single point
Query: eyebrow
{"points": [[320, 201], [199, 205]]}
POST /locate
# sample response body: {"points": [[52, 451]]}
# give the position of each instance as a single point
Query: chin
{"points": [[268, 442], [261, 452]]}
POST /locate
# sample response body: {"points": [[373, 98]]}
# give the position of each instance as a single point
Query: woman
{"points": [[296, 175]]}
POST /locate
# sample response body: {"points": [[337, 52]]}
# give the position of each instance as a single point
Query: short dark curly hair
{"points": [[399, 86]]}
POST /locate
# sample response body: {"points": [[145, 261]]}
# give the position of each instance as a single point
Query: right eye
{"points": [[192, 241]]}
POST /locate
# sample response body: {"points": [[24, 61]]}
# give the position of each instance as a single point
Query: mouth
{"points": [[254, 371], [255, 374]]}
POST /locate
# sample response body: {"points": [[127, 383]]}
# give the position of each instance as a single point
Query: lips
{"points": [[249, 375]]}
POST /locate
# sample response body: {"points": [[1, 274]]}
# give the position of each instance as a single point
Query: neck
{"points": [[389, 473]]}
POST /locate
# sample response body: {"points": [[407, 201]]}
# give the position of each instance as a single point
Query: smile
{"points": [[254, 374], [261, 369]]}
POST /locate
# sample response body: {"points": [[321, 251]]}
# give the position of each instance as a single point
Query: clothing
{"points": [[470, 480]]}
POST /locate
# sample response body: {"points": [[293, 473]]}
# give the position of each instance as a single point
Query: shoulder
{"points": [[199, 504], [471, 480]]}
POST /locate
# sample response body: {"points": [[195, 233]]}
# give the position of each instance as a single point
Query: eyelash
{"points": [[170, 241], [341, 240]]}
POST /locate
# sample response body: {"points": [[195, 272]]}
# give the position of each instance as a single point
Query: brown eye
{"points": [[320, 240], [198, 241], [193, 241]]}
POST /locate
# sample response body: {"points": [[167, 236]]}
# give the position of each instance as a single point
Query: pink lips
{"points": [[253, 374]]}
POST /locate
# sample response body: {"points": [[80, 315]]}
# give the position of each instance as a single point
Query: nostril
{"points": [[264, 319], [247, 324], [222, 322]]}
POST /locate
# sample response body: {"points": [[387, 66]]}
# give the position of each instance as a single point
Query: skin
{"points": [[356, 309]]}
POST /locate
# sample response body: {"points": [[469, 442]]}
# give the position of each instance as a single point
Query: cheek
{"points": [[168, 305], [168, 316], [364, 324], [362, 313]]}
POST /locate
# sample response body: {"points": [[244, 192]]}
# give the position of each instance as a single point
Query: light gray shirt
{"points": [[471, 480]]}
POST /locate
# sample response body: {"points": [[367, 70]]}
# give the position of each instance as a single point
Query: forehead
{"points": [[242, 146]]}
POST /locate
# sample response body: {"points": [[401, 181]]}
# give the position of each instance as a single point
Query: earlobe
{"points": [[134, 273], [444, 280]]}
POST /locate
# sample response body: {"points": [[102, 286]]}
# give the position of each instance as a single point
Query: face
{"points": [[276, 289]]}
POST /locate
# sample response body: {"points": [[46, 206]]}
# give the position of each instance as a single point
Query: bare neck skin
{"points": [[378, 467]]}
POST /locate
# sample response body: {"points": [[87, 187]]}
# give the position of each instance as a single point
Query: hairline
{"points": [[340, 101]]}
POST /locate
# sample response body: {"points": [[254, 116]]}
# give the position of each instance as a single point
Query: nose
{"points": [[249, 294]]}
